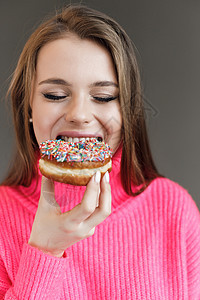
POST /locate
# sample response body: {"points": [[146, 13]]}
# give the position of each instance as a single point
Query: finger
{"points": [[104, 208], [47, 198], [97, 200], [89, 202]]}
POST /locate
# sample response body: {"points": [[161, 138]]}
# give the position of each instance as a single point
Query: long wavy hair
{"points": [[137, 166]]}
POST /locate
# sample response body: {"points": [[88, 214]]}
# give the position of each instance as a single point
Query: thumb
{"points": [[47, 196]]}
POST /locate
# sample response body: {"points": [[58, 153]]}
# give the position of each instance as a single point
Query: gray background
{"points": [[166, 34]]}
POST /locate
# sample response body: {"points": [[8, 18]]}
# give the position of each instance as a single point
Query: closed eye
{"points": [[57, 97], [53, 97], [104, 99]]}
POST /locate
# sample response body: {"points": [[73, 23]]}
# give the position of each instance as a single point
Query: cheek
{"points": [[44, 117], [113, 121], [113, 125]]}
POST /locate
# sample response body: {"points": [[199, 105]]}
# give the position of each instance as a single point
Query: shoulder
{"points": [[17, 198], [164, 187], [8, 196], [5, 193], [9, 210], [172, 195]]}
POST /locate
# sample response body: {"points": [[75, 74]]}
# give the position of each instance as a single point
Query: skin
{"points": [[82, 64], [80, 75]]}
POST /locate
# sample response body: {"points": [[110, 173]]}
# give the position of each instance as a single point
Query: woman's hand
{"points": [[53, 231]]}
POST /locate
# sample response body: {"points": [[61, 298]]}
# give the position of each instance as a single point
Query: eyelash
{"points": [[53, 97], [104, 99], [57, 98]]}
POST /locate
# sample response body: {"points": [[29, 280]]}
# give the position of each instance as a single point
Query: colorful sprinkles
{"points": [[89, 150]]}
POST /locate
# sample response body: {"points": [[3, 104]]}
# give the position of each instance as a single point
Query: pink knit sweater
{"points": [[148, 248]]}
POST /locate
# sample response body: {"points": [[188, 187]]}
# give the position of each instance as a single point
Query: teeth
{"points": [[82, 139], [75, 139]]}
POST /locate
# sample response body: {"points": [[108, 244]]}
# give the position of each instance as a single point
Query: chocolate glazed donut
{"points": [[74, 162]]}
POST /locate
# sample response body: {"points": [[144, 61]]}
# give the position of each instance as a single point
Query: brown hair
{"points": [[137, 165]]}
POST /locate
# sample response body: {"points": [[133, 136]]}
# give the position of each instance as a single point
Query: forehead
{"points": [[71, 55]]}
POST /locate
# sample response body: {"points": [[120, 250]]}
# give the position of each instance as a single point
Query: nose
{"points": [[78, 112]]}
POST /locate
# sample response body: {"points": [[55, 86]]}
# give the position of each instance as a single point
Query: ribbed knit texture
{"points": [[148, 248]]}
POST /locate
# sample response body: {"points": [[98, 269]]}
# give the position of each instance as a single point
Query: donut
{"points": [[74, 162]]}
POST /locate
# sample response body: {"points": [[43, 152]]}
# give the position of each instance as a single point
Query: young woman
{"points": [[135, 235]]}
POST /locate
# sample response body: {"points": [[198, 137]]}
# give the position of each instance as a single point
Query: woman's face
{"points": [[75, 93]]}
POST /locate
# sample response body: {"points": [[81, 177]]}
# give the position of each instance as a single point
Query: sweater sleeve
{"points": [[39, 276], [192, 227]]}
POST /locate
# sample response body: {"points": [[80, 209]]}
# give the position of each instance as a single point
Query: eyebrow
{"points": [[104, 83], [59, 81]]}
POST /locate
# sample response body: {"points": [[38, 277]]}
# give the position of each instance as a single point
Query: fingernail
{"points": [[107, 177], [97, 177]]}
